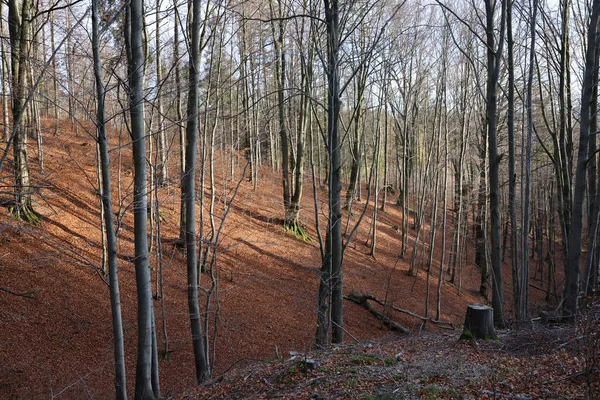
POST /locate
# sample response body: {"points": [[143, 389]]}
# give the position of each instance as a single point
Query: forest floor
{"points": [[519, 365], [56, 342]]}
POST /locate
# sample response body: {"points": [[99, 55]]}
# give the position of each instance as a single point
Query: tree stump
{"points": [[479, 323]]}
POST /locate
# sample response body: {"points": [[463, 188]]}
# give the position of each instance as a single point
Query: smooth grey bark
{"points": [[361, 78], [69, 68], [523, 291], [575, 234], [303, 125], [18, 24], [512, 176], [385, 137], [34, 120], [179, 114], [334, 231], [54, 81], [188, 196], [144, 383], [162, 167], [564, 155], [494, 56], [375, 173], [480, 225], [280, 71], [111, 239], [292, 160]]}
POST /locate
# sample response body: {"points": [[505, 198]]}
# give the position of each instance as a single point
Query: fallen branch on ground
{"points": [[29, 295], [422, 318], [362, 301]]}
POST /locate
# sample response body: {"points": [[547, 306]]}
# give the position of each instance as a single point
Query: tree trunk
{"points": [[162, 167], [306, 73], [479, 323], [480, 227], [69, 70], [144, 385], [524, 289], [188, 195], [356, 146], [591, 264], [493, 73], [512, 176], [111, 240], [5, 74], [575, 234], [565, 144], [55, 80], [280, 70], [180, 129], [335, 185], [18, 22]]}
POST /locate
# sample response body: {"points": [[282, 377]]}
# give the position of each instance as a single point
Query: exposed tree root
{"points": [[297, 230], [25, 214]]}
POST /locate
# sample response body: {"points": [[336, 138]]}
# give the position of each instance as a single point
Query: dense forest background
{"points": [[440, 135]]}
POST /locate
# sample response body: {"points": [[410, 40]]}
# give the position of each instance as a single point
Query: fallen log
{"points": [[363, 302], [422, 318]]}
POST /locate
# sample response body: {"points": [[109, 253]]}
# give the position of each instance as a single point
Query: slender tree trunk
{"points": [[385, 142], [111, 240], [512, 176], [575, 234], [335, 185], [180, 129], [306, 78], [69, 69], [54, 74], [280, 71], [5, 75], [524, 289], [354, 183], [188, 191], [481, 259], [565, 132], [493, 72], [144, 385], [162, 168]]}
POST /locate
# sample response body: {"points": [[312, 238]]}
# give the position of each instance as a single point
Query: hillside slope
{"points": [[60, 341]]}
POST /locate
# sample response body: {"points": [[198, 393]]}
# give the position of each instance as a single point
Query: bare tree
{"points": [[111, 239], [576, 225], [494, 56], [188, 194], [146, 385], [19, 18]]}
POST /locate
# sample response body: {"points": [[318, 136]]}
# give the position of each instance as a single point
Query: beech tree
{"points": [[331, 278], [19, 18], [146, 380], [115, 297], [188, 194], [429, 104], [576, 225]]}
